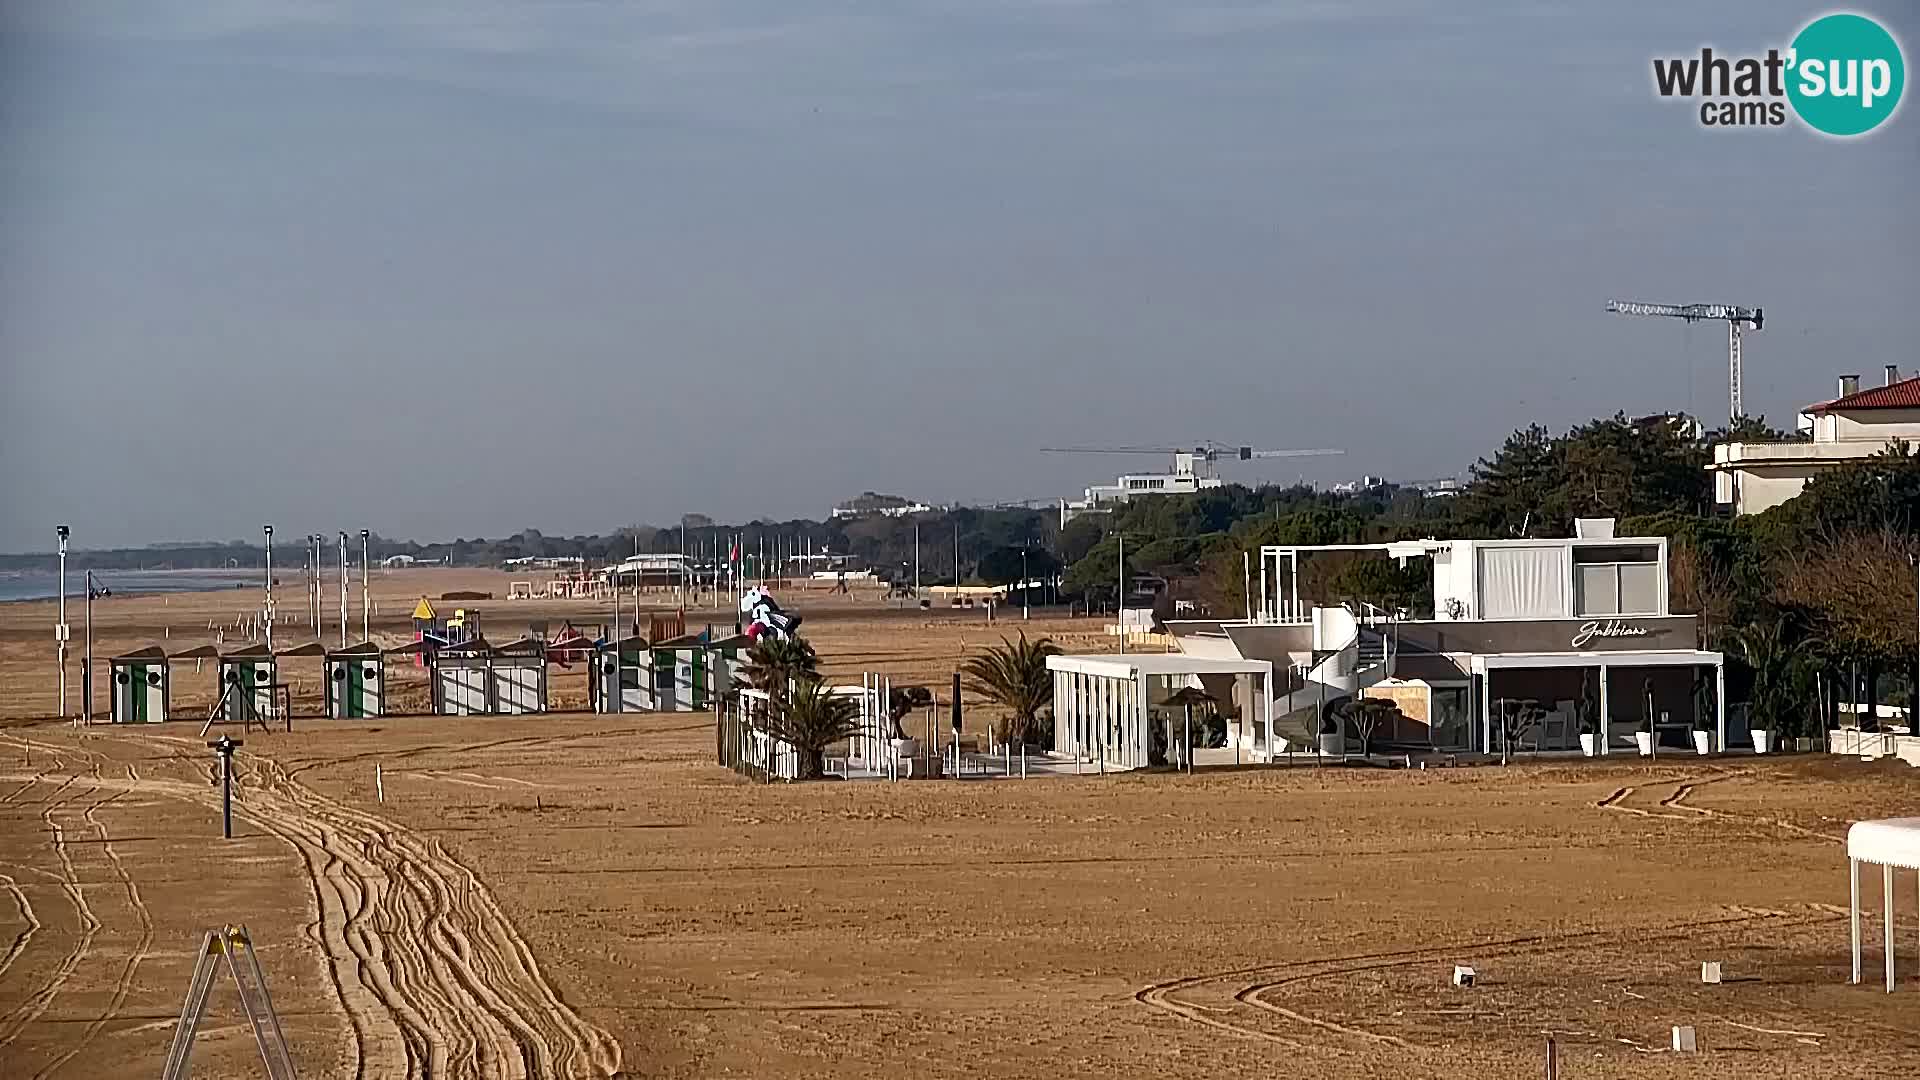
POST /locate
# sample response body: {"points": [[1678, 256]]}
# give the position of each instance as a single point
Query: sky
{"points": [[463, 267]]}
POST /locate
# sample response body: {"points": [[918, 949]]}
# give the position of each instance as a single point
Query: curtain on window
{"points": [[1523, 583]]}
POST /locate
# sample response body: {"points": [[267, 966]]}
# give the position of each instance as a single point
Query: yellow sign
{"points": [[423, 610]]}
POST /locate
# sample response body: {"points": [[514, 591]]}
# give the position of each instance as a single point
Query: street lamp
{"points": [[60, 628], [268, 530], [366, 599], [1024, 584]]}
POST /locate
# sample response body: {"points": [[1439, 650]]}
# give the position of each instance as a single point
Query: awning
{"points": [[1650, 658]]}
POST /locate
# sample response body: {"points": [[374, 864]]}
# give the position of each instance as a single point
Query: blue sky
{"points": [[445, 268]]}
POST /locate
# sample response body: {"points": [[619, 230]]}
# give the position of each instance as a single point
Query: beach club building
{"points": [[1573, 633]]}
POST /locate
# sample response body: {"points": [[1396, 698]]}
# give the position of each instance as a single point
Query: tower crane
{"points": [[1197, 461], [1735, 318]]}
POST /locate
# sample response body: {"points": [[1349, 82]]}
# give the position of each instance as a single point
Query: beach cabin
{"points": [[614, 683], [688, 673], [520, 677], [247, 677], [354, 678], [461, 679], [141, 686]]}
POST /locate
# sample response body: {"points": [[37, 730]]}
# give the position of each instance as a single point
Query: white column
{"points": [[1853, 914], [1486, 711], [1266, 706], [1886, 877], [1720, 706], [1606, 724]]}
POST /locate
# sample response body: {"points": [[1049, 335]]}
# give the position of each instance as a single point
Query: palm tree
{"points": [[773, 664], [1014, 676], [811, 718], [1781, 664]]}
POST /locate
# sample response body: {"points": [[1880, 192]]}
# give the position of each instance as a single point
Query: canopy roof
{"points": [[198, 652], [151, 652], [311, 648], [256, 651], [359, 649], [1889, 842]]}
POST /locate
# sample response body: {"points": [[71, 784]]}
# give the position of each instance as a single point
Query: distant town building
{"points": [[871, 503], [1355, 487], [545, 562], [1188, 475], [1753, 476]]}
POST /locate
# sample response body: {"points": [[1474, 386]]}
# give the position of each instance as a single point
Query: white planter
{"points": [[1644, 740], [1703, 742], [1762, 740], [1589, 743]]}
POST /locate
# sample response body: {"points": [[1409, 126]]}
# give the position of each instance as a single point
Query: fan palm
{"points": [[774, 664], [810, 718], [1014, 676]]}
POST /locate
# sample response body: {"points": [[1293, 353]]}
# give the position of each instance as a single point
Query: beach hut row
{"points": [[688, 673], [141, 681], [681, 674]]}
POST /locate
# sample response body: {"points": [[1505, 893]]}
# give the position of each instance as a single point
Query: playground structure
{"points": [[434, 633]]}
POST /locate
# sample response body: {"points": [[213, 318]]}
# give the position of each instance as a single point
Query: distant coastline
{"points": [[21, 587]]}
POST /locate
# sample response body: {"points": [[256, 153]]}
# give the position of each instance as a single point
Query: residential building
{"points": [[1753, 476], [1190, 473]]}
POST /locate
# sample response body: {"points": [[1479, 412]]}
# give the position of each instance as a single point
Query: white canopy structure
{"points": [[1891, 842]]}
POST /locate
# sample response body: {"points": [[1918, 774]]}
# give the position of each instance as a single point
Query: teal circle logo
{"points": [[1847, 75]]}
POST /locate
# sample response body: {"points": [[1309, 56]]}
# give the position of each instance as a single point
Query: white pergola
{"points": [[1101, 702], [1605, 661], [1891, 842]]}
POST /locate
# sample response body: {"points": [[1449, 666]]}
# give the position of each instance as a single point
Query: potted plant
{"points": [[1587, 715], [902, 702], [1762, 736], [1643, 737], [1702, 737]]}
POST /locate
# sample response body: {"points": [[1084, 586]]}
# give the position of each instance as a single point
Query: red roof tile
{"points": [[1904, 394]]}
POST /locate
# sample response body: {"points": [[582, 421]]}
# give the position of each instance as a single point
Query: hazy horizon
{"points": [[460, 269]]}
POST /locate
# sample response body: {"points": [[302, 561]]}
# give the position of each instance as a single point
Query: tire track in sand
{"points": [[417, 941], [20, 939], [1269, 977], [36, 1005], [124, 984]]}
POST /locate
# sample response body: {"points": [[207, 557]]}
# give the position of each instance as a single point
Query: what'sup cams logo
{"points": [[1842, 76]]}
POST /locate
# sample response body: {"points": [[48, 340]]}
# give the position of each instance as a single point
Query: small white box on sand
{"points": [[1462, 976], [1683, 1039], [1710, 972]]}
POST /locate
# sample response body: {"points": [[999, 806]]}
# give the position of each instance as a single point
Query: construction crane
{"points": [[1195, 461], [1735, 317]]}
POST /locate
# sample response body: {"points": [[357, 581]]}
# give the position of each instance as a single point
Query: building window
{"points": [[1627, 588]]}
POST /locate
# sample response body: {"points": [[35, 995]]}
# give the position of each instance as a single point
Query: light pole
{"points": [[366, 599], [1023, 584], [343, 590], [86, 677], [268, 530], [60, 628], [1120, 605], [224, 746]]}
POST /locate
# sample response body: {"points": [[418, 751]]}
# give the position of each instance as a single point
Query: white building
{"points": [[1751, 477], [1575, 633], [1190, 473]]}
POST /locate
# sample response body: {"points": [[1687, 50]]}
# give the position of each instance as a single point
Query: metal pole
{"points": [[268, 531], [366, 598], [226, 794], [1024, 613], [916, 561], [86, 677], [343, 590], [1246, 579], [1121, 604], [60, 631]]}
